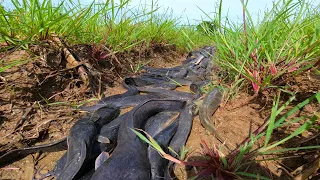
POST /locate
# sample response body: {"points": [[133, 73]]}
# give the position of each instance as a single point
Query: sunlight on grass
{"points": [[226, 166], [124, 27], [285, 40]]}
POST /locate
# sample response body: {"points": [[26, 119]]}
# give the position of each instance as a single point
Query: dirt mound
{"points": [[37, 102], [38, 98]]}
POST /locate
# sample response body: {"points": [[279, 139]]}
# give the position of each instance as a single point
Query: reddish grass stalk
{"points": [[244, 24], [254, 84], [273, 69]]}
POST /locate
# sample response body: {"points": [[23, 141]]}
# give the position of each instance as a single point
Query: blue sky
{"points": [[187, 9]]}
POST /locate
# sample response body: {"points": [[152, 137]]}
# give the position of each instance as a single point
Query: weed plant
{"points": [[119, 26], [229, 166], [286, 40]]}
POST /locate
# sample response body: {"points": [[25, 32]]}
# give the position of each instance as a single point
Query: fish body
{"points": [[80, 141], [129, 159], [159, 122], [17, 154], [158, 164]]}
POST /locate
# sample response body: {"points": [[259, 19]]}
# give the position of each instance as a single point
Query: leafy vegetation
{"points": [[207, 27], [118, 26], [285, 40], [230, 166]]}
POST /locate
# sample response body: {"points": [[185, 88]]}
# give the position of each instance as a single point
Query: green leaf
{"points": [[318, 97], [291, 149], [14, 63], [300, 130], [142, 137], [150, 141], [252, 175], [272, 120], [293, 110]]}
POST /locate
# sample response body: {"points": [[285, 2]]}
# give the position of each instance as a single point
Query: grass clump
{"points": [[118, 26], [231, 165], [285, 41]]}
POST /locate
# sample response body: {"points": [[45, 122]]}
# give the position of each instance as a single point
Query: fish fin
{"points": [[101, 159], [103, 139]]}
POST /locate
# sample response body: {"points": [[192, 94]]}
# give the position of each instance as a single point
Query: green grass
{"points": [[116, 25], [230, 166], [8, 65], [285, 40]]}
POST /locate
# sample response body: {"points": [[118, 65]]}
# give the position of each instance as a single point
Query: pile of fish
{"points": [[102, 145]]}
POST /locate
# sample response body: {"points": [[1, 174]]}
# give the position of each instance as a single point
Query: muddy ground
{"points": [[37, 101]]}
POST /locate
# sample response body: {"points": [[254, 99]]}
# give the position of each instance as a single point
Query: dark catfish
{"points": [[17, 154], [185, 124], [129, 160], [175, 72], [86, 169], [101, 116], [196, 75], [124, 102], [195, 87], [196, 56], [148, 82], [110, 132], [130, 92], [89, 149], [180, 137], [209, 105], [181, 81], [150, 69], [146, 79], [80, 140], [111, 100], [155, 81], [160, 121], [208, 51], [184, 96], [158, 164]]}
